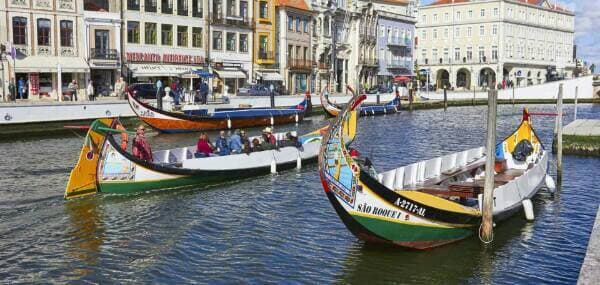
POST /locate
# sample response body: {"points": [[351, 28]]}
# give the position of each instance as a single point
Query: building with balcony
{"points": [[368, 65], [230, 48], [293, 40], [467, 44], [102, 41], [163, 39], [266, 67], [47, 36], [395, 31]]}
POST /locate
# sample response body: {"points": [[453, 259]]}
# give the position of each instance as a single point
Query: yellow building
{"points": [[265, 68]]}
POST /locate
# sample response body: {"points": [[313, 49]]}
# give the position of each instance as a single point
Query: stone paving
{"points": [[590, 270]]}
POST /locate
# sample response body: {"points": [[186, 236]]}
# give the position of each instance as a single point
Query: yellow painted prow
{"points": [[83, 180]]}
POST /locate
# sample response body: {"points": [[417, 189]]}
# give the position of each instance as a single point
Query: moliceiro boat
{"points": [[103, 166], [216, 119], [432, 202], [332, 110]]}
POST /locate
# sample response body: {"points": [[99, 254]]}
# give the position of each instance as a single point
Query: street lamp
{"points": [[331, 7]]}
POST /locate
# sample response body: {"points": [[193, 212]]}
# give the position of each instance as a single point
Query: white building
{"points": [[465, 43]]}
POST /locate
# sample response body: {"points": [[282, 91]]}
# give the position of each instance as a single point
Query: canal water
{"points": [[281, 228]]}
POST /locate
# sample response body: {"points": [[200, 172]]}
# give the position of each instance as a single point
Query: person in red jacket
{"points": [[141, 147], [204, 148]]}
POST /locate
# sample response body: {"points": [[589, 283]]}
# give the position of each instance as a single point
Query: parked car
{"points": [[143, 90], [255, 90]]}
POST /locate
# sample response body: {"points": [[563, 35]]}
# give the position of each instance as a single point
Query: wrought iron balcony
{"points": [[242, 21], [106, 54], [266, 55], [300, 64], [399, 42], [369, 62], [324, 65]]}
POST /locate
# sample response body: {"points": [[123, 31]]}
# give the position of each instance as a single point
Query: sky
{"points": [[587, 31]]}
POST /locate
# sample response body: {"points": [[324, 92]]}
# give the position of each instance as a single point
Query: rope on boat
{"points": [[481, 238]]}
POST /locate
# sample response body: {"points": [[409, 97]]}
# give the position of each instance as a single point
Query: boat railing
{"points": [[416, 173]]}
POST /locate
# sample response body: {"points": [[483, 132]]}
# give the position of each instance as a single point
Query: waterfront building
{"points": [[102, 42], [266, 68], [396, 29], [293, 40], [47, 36], [230, 49], [464, 43], [163, 39], [367, 65]]}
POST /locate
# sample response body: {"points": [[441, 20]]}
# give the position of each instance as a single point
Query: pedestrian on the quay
{"points": [[120, 87], [90, 90], [73, 87], [203, 92], [141, 148], [22, 88]]}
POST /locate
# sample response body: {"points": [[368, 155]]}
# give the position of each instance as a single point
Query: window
{"points": [[182, 36], [495, 52], [66, 33], [481, 54], [150, 33], [482, 30], [457, 54], [197, 37], [470, 14], [458, 15], [167, 6], [424, 34], [19, 30], [290, 23], [244, 9], [495, 11], [263, 47], [290, 52], [231, 41], [469, 31], [435, 33], [424, 19], [263, 9], [381, 31], [231, 8], [243, 42], [150, 5], [306, 25], [457, 32], [166, 34], [424, 54], [133, 5], [482, 13], [298, 25], [445, 33], [326, 31], [494, 30], [197, 9], [435, 18], [183, 8], [217, 40], [434, 54], [446, 55], [133, 32], [446, 17], [469, 53], [43, 32]]}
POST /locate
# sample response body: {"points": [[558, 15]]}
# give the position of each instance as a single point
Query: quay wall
{"points": [[590, 270], [11, 114]]}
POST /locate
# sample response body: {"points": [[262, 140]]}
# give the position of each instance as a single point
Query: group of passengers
{"points": [[235, 144], [240, 143]]}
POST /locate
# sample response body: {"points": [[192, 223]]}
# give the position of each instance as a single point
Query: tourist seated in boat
{"points": [[141, 147], [203, 147], [247, 147], [235, 143], [256, 146], [291, 140], [222, 144], [269, 141]]}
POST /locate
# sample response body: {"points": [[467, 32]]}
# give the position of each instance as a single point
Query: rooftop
{"points": [[297, 4], [540, 3]]}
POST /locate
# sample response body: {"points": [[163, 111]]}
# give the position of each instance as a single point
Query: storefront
{"points": [[231, 77], [47, 76], [268, 77], [150, 67]]}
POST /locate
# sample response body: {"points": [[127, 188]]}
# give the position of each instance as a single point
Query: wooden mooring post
{"points": [[445, 98], [575, 111], [486, 230], [559, 129], [410, 99]]}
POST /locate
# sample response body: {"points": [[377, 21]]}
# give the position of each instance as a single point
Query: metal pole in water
{"points": [[575, 112], [559, 134], [486, 230], [445, 99], [513, 95], [410, 99]]}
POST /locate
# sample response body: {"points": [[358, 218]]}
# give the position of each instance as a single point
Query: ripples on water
{"points": [[279, 227]]}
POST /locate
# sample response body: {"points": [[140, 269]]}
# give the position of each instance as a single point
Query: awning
{"points": [[230, 73], [270, 76], [40, 64], [156, 70]]}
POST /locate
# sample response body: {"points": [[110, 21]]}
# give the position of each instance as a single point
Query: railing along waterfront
{"points": [[110, 54]]}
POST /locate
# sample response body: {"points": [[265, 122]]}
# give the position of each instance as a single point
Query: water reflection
{"points": [[86, 234]]}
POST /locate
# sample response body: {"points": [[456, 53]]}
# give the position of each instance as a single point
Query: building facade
{"points": [[231, 32], [266, 68], [47, 36], [102, 42], [293, 39], [467, 44], [395, 33]]}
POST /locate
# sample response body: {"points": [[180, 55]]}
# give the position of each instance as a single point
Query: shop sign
{"points": [[164, 58], [34, 81]]}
